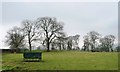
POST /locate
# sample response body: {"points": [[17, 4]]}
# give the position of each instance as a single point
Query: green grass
{"points": [[0, 61], [119, 61], [64, 60]]}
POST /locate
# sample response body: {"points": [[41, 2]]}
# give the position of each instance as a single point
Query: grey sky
{"points": [[59, 0], [79, 17]]}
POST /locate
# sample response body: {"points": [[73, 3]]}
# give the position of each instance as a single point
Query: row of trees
{"points": [[94, 42], [49, 32], [44, 28]]}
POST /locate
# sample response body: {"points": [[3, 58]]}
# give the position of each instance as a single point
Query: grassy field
{"points": [[64, 60]]}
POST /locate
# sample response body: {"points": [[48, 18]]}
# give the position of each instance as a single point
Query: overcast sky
{"points": [[78, 17]]}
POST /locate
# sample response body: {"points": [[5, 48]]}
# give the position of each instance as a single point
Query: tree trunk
{"points": [[92, 47], [29, 42], [60, 46], [63, 46], [30, 46], [48, 46]]}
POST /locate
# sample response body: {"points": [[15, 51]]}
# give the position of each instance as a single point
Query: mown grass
{"points": [[64, 60]]}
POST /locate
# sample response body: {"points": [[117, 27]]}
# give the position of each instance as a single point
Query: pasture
{"points": [[63, 60]]}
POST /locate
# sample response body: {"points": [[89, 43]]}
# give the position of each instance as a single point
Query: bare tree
{"points": [[15, 38], [86, 43], [61, 41], [76, 41], [30, 31], [72, 42], [51, 28], [69, 43], [93, 36], [107, 42]]}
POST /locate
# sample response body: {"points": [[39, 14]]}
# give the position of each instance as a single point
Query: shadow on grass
{"points": [[33, 61]]}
